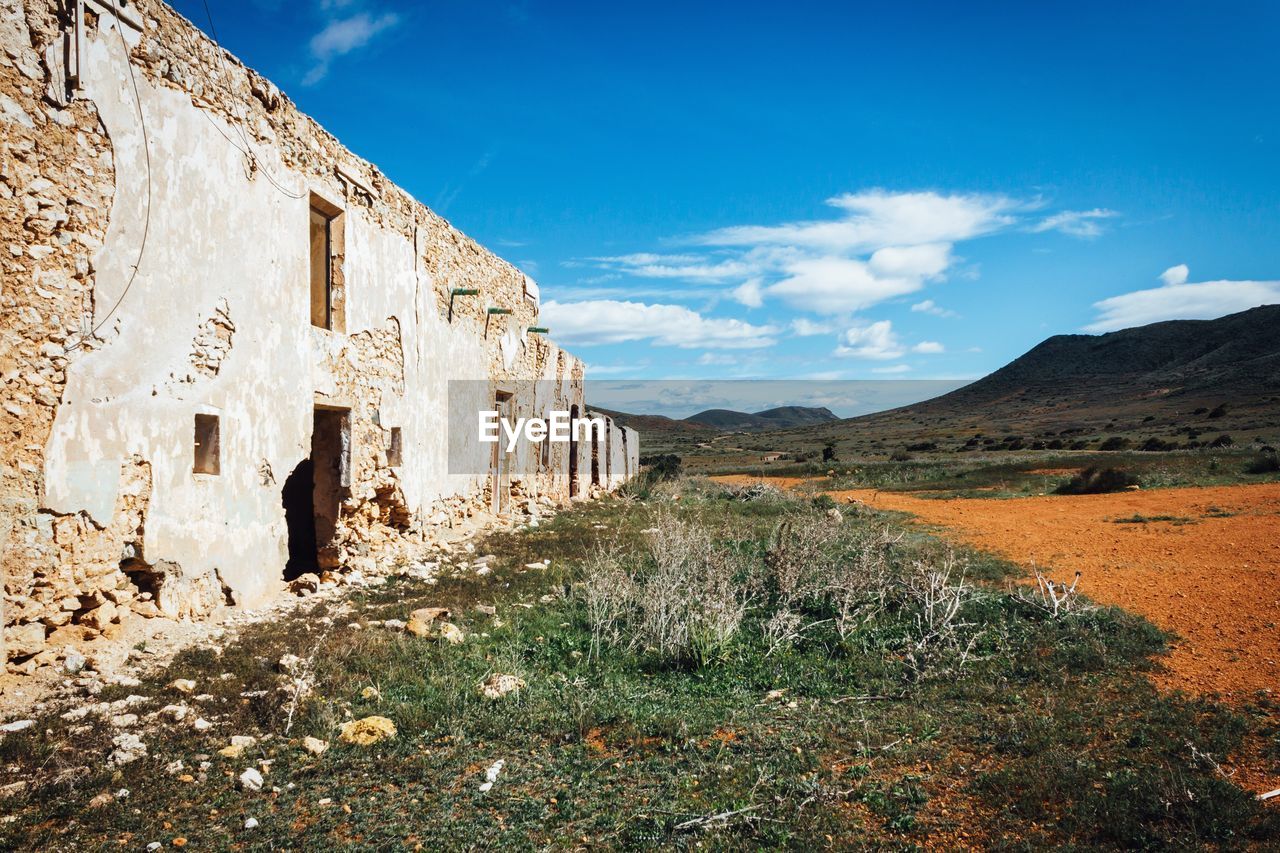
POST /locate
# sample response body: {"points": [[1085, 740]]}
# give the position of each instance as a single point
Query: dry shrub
{"points": [[683, 597], [936, 595], [687, 593], [841, 571]]}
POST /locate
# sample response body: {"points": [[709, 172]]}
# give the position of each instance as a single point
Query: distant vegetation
{"points": [[1264, 463], [1097, 481]]}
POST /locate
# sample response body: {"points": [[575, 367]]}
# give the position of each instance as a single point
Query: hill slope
{"points": [[1178, 381], [781, 417], [1239, 352]]}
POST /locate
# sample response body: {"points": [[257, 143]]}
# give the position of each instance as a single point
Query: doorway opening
{"points": [[313, 493], [596, 461], [573, 451], [500, 462]]}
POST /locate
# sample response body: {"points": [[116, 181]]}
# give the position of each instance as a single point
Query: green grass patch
{"points": [[1025, 729]]}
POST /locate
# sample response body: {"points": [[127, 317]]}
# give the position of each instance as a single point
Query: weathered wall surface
{"points": [[154, 219]]}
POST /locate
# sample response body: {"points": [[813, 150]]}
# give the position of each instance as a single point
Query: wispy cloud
{"points": [[342, 35], [876, 341], [804, 327], [928, 306], [608, 321], [1178, 299], [451, 191], [876, 218], [1077, 223], [879, 342], [879, 245]]}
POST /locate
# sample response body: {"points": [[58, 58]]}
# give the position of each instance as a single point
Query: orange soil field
{"points": [[1214, 580]]}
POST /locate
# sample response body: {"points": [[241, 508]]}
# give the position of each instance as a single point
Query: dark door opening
{"points": [[573, 451], [595, 458], [499, 473], [299, 517], [313, 493]]}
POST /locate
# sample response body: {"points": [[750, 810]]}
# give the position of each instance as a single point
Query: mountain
{"points": [[655, 424], [1180, 382], [781, 417], [1239, 352]]}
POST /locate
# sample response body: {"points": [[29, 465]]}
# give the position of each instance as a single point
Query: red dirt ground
{"points": [[1214, 580]]}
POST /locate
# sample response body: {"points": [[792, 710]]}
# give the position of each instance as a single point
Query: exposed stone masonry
{"points": [[73, 577]]}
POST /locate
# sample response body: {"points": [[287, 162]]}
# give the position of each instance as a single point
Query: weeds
{"points": [[1055, 598], [854, 681]]}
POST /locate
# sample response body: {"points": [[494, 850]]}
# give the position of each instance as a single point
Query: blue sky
{"points": [[866, 191]]}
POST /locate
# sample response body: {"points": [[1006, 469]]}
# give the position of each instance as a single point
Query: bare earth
{"points": [[1215, 580]]}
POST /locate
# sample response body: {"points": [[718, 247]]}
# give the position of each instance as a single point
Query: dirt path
{"points": [[1214, 578]]}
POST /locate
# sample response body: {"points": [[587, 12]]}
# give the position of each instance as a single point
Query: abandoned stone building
{"points": [[226, 341]]}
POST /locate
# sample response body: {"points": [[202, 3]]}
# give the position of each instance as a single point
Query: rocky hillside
{"points": [[1182, 383]]}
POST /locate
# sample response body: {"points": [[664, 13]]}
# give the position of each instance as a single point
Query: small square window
{"points": [[394, 449], [207, 449]]}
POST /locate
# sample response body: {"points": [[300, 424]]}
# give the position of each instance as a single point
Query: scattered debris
{"points": [[239, 743], [251, 780], [367, 731], [491, 775], [17, 726], [128, 748], [314, 745], [498, 685], [183, 685], [290, 664], [422, 621]]}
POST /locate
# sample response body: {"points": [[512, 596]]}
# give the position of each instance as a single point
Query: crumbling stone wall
{"points": [[139, 291], [56, 186]]}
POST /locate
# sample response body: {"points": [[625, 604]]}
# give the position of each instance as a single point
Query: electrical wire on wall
{"points": [[243, 116], [146, 223]]}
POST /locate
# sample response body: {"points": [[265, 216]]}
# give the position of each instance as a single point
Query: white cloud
{"points": [[1176, 275], [893, 368], [926, 261], [1077, 223], [749, 293], [343, 35], [805, 328], [875, 341], [1178, 300], [607, 321], [929, 348], [884, 245], [833, 285], [875, 219], [928, 306], [878, 246], [639, 259]]}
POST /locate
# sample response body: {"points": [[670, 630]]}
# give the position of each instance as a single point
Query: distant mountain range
{"points": [[726, 420], [1173, 381], [1239, 352], [1178, 382], [782, 417]]}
